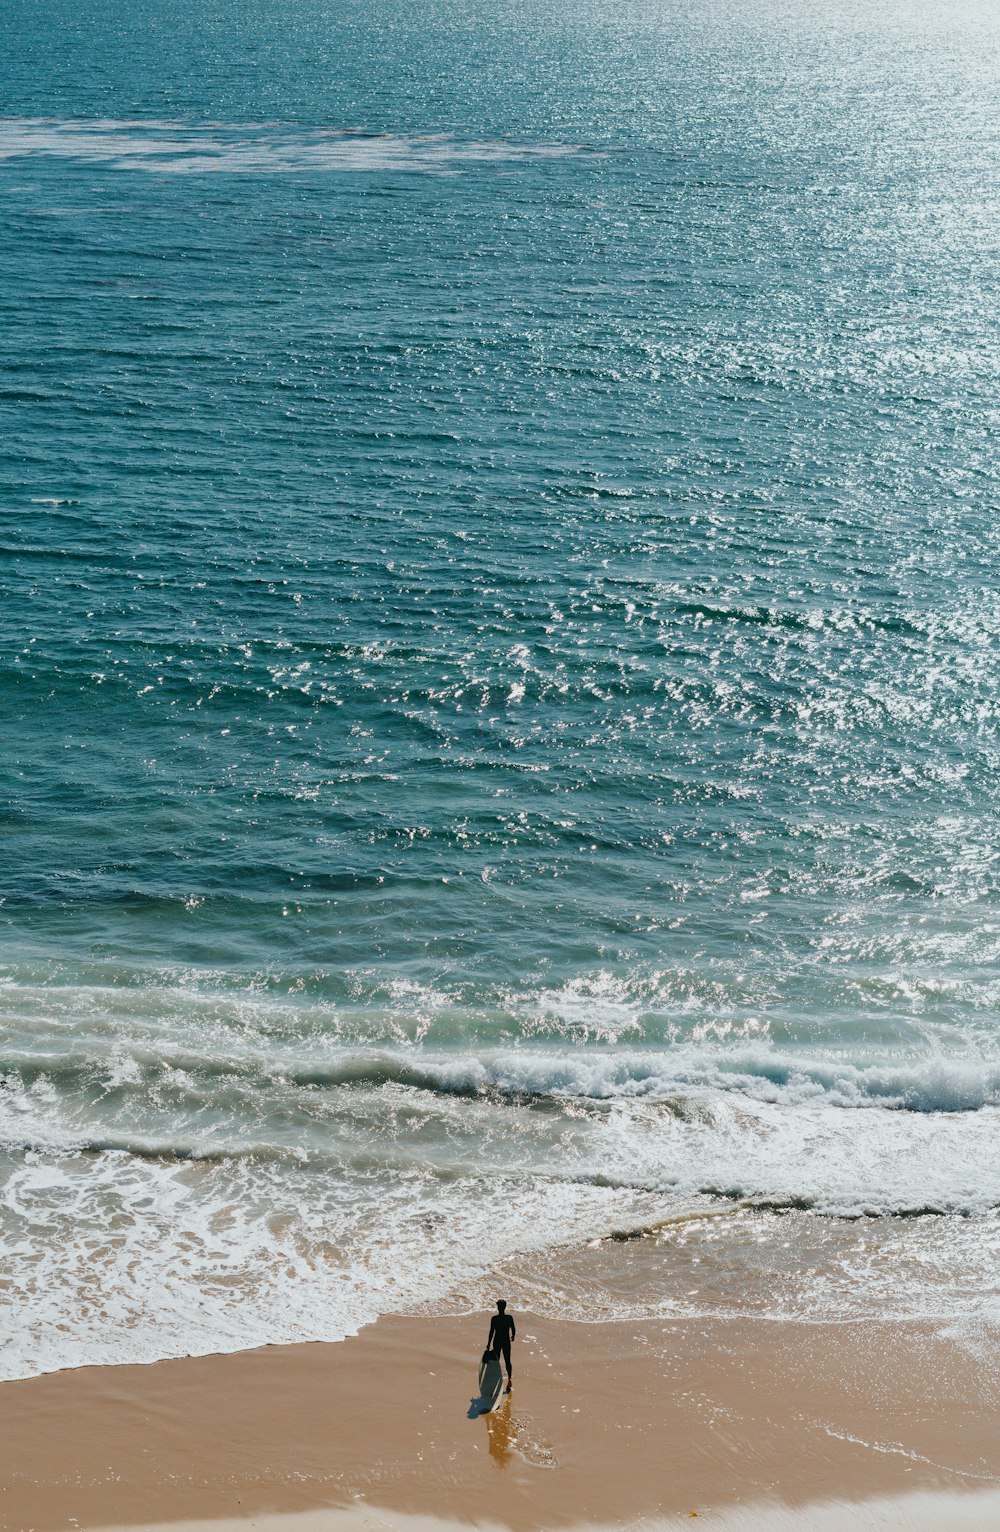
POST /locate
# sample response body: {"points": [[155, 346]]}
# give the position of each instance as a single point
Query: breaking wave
{"points": [[669, 1077]]}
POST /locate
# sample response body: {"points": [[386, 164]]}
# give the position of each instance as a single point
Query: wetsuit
{"points": [[502, 1332]]}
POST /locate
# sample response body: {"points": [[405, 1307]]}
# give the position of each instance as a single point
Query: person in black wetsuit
{"points": [[502, 1332]]}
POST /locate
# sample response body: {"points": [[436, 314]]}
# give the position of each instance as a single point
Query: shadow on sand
{"points": [[482, 1405]]}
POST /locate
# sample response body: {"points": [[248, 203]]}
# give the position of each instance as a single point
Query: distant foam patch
{"points": [[250, 149]]}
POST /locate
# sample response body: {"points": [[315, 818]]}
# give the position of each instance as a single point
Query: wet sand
{"points": [[737, 1422]]}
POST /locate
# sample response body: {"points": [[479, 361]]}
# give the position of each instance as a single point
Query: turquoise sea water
{"points": [[499, 647]]}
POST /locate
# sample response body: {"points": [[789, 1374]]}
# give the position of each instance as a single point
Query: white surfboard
{"points": [[490, 1383]]}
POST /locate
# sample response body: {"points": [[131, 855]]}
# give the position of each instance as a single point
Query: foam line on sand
{"points": [[919, 1512]]}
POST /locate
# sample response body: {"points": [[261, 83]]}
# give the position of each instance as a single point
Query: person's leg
{"points": [[505, 1352]]}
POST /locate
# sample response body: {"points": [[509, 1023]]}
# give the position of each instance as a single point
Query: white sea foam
{"points": [[968, 1510], [173, 148]]}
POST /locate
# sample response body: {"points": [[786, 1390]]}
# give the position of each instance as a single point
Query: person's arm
{"points": [[513, 1327], [489, 1339]]}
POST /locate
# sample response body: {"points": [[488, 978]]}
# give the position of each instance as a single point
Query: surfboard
{"points": [[490, 1382]]}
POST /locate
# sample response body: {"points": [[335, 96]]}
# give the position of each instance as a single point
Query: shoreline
{"points": [[610, 1424]]}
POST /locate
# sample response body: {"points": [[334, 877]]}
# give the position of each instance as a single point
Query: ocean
{"points": [[500, 665]]}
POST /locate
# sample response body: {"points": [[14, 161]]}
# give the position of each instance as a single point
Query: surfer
{"points": [[502, 1332]]}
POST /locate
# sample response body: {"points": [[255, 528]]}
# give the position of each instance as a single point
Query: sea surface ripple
{"points": [[500, 662]]}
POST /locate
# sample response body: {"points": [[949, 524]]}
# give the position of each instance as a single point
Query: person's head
{"points": [[501, 1305]]}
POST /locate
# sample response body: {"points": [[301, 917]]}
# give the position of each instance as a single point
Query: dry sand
{"points": [[739, 1423]]}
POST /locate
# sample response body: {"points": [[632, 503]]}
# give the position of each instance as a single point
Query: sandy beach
{"points": [[737, 1423]]}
